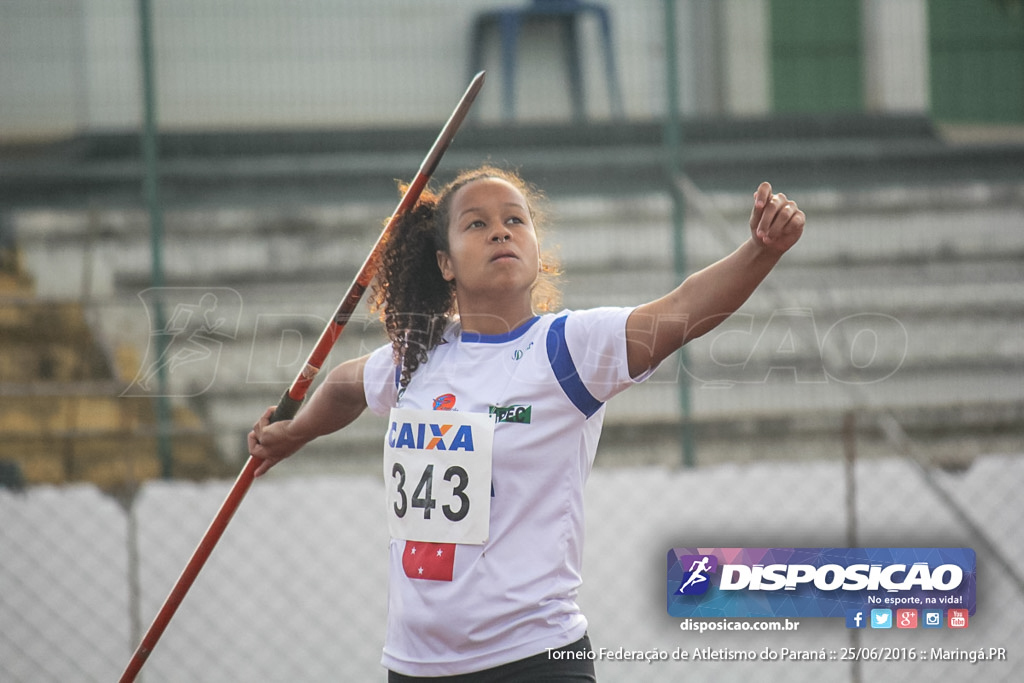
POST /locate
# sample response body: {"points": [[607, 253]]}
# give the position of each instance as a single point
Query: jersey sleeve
{"points": [[380, 380], [596, 340]]}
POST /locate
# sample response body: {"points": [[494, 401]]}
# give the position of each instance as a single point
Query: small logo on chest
{"points": [[515, 414], [444, 402]]}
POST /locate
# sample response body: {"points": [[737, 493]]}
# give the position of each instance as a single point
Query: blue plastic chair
{"points": [[509, 21]]}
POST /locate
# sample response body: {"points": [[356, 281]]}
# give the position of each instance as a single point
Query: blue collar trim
{"points": [[475, 338]]}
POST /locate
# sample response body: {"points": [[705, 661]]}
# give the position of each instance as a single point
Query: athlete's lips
{"points": [[504, 253]]}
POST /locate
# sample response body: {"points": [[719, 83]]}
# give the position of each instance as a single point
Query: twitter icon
{"points": [[881, 618]]}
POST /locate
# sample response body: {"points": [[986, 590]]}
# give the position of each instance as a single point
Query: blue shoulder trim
{"points": [[565, 370]]}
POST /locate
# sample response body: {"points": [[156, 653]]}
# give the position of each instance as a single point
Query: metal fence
{"points": [[869, 395], [296, 589]]}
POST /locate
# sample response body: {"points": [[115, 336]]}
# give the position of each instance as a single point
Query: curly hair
{"points": [[415, 302]]}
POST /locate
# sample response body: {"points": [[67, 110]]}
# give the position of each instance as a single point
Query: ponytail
{"points": [[415, 302]]}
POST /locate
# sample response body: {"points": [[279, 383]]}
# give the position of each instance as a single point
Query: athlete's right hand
{"points": [[271, 442]]}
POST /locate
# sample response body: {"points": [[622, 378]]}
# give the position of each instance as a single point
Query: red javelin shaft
{"points": [[292, 399]]}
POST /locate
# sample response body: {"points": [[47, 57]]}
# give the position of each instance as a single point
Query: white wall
{"points": [[41, 55], [747, 75], [72, 65]]}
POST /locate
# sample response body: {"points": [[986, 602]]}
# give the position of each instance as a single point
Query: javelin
{"points": [[293, 397]]}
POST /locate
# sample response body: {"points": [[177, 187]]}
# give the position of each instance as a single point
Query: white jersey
{"points": [[455, 609]]}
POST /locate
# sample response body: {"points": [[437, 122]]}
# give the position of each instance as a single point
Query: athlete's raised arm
{"points": [[707, 297], [335, 404]]}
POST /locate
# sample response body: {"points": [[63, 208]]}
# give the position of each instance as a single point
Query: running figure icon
{"points": [[698, 573]]}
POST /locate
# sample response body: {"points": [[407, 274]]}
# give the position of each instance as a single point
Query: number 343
{"points": [[423, 494]]}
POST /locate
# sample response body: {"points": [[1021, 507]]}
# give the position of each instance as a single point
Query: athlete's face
{"points": [[492, 244]]}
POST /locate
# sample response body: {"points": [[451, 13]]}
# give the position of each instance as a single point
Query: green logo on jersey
{"points": [[517, 414]]}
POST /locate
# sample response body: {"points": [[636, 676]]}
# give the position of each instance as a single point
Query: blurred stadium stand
{"points": [[904, 224]]}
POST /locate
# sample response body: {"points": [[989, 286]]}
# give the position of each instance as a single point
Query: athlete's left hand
{"points": [[776, 222]]}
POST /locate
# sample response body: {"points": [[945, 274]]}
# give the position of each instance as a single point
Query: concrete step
{"points": [[39, 415], [896, 299], [266, 351], [113, 460], [207, 167], [68, 432], [294, 243], [62, 412], [784, 392], [49, 341]]}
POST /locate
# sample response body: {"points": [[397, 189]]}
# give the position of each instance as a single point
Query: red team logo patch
{"points": [[444, 402]]}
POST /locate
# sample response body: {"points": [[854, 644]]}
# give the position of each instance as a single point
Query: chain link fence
{"points": [[296, 588]]}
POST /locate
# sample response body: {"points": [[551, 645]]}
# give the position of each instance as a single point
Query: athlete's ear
{"points": [[444, 263]]}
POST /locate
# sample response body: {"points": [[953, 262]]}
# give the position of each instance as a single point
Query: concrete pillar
{"points": [[746, 57], [896, 63]]}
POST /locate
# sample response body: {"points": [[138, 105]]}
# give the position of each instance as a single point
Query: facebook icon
{"points": [[855, 618]]}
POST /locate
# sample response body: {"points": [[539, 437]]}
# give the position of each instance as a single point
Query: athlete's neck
{"points": [[493, 322]]}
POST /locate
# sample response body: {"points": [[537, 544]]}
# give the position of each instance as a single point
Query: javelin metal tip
{"points": [[477, 83]]}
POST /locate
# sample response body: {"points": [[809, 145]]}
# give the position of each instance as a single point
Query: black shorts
{"points": [[542, 668]]}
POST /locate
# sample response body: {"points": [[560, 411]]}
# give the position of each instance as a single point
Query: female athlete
{"points": [[495, 408]]}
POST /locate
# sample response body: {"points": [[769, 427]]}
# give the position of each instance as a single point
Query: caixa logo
{"points": [[430, 436]]}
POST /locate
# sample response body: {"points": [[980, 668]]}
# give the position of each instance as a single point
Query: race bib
{"points": [[437, 474]]}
